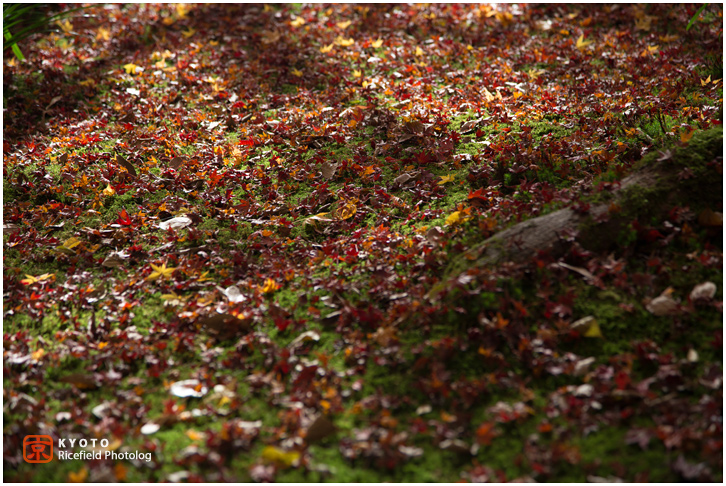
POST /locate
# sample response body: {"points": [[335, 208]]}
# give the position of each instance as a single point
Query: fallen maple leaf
{"points": [[279, 456], [132, 68], [269, 286], [78, 477], [663, 305], [703, 291], [377, 43], [708, 217], [31, 280], [344, 42], [582, 43], [347, 211], [160, 272], [68, 245], [297, 22], [326, 49], [446, 179], [587, 327], [456, 217], [103, 34]]}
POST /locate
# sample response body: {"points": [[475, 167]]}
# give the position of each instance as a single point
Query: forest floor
{"points": [[235, 236]]}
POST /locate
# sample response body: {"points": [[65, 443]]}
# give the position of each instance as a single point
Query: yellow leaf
{"points": [[653, 49], [78, 477], [102, 345], [587, 327], [704, 82], [32, 280], [194, 435], [297, 22], [348, 211], [88, 82], [296, 72], [377, 43], [535, 73], [103, 34], [182, 9], [132, 68], [68, 245], [419, 51], [582, 43], [269, 287], [327, 48], [344, 25], [65, 25], [344, 42], [38, 355], [279, 456], [686, 136], [160, 272], [109, 191], [446, 179], [593, 331], [453, 218], [189, 32], [71, 242], [320, 217], [357, 74]]}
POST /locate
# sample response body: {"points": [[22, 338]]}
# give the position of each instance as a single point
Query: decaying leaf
{"points": [[175, 223], [707, 217], [188, 388], [663, 305], [703, 291], [223, 325], [328, 169], [321, 428]]}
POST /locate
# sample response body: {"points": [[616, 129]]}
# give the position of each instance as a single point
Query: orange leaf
{"points": [[78, 477]]}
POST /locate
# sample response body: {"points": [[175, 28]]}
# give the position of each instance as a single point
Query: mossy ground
{"points": [[408, 355]]}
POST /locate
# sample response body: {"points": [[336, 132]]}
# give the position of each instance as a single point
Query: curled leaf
{"points": [[587, 327], [703, 291], [188, 388], [175, 223]]}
